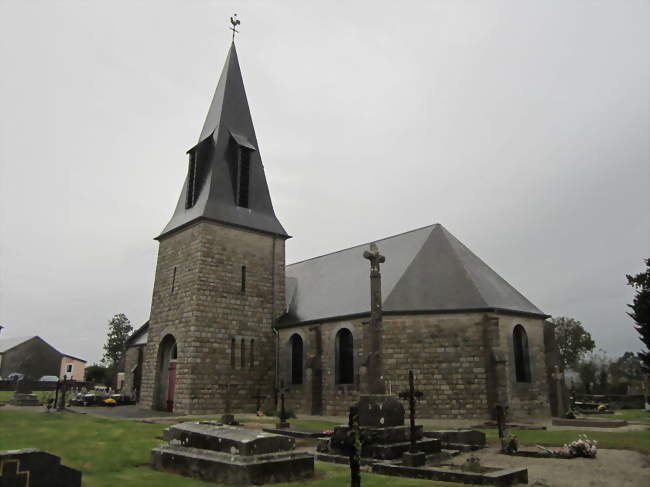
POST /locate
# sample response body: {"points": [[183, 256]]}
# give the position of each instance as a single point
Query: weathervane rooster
{"points": [[235, 22]]}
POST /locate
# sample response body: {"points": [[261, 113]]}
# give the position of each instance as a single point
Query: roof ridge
{"points": [[364, 244], [462, 263]]}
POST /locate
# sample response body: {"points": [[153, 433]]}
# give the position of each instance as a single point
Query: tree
{"points": [[641, 311], [119, 329], [625, 371], [573, 341], [592, 371], [97, 373]]}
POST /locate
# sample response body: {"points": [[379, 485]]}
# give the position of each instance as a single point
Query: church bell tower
{"points": [[219, 282]]}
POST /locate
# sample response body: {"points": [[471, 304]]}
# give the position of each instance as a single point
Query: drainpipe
{"points": [[275, 330]]}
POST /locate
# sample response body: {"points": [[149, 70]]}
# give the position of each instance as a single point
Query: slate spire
{"points": [[225, 181]]}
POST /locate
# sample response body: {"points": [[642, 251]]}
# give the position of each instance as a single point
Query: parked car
{"points": [[49, 378]]}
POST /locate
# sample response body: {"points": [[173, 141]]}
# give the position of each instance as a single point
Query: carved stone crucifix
{"points": [[375, 358]]}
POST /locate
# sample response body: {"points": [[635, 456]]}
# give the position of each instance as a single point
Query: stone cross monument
{"points": [[375, 358]]}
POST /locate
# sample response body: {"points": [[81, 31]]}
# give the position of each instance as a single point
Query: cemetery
{"points": [[405, 361]]}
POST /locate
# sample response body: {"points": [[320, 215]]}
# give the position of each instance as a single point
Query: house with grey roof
{"points": [[230, 322], [33, 358]]}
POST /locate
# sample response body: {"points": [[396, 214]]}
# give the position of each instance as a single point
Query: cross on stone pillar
{"points": [[375, 358], [355, 447], [228, 417], [283, 414], [11, 475], [558, 377], [412, 395]]}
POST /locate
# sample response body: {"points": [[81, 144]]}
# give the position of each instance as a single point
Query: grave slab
{"points": [[229, 455], [590, 422], [451, 473]]}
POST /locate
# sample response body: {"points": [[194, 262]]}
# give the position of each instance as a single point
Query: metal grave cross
{"points": [[355, 450], [502, 412], [283, 413], [412, 395]]}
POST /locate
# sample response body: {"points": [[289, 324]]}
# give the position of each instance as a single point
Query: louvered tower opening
{"points": [[191, 182], [243, 177]]}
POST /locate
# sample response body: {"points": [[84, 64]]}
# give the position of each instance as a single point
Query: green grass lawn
{"points": [[113, 452], [42, 395], [635, 415], [628, 440]]}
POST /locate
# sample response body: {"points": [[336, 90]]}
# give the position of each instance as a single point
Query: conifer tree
{"points": [[641, 311]]}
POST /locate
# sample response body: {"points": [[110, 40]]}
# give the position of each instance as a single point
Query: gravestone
{"points": [[35, 468], [230, 455], [23, 395]]}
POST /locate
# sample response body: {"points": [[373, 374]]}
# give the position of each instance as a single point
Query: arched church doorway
{"points": [[167, 356]]}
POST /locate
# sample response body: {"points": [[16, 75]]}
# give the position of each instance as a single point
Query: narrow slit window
{"points": [[243, 177], [191, 182], [243, 279], [243, 353], [252, 353], [232, 353], [173, 279], [344, 357]]}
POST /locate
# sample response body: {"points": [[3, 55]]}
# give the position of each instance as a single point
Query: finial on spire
{"points": [[235, 22]]}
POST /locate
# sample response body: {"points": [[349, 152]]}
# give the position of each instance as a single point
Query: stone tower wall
{"points": [[207, 311]]}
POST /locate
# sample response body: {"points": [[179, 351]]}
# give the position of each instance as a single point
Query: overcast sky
{"points": [[521, 126]]}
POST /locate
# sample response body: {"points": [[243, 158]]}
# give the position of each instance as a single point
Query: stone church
{"points": [[230, 322]]}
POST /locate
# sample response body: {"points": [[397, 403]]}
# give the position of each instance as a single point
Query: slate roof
{"points": [[7, 344], [228, 122], [139, 336], [426, 270]]}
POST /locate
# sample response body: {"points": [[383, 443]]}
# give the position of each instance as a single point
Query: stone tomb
{"points": [[230, 455], [35, 468], [384, 436], [23, 395]]}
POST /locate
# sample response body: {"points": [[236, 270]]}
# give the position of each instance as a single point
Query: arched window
{"points": [[344, 351], [243, 353], [296, 359], [522, 360]]}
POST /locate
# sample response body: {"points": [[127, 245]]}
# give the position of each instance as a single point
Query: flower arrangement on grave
{"points": [[582, 447], [110, 402], [472, 464], [328, 432], [602, 407]]}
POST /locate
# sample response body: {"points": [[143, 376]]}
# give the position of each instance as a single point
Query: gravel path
{"points": [[610, 468]]}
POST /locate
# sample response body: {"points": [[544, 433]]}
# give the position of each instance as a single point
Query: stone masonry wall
{"points": [[450, 354], [526, 399], [207, 311], [446, 353]]}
